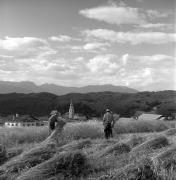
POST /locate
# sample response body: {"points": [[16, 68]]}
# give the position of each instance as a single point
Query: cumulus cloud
{"points": [[152, 14], [160, 26], [10, 43], [131, 37], [122, 14], [144, 72], [103, 64], [36, 60], [115, 14], [61, 38], [95, 45], [89, 47]]}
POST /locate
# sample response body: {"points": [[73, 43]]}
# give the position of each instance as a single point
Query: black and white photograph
{"points": [[87, 90]]}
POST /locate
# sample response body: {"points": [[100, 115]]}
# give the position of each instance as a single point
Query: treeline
{"points": [[90, 104]]}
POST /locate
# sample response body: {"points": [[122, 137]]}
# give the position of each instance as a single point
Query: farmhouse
{"points": [[147, 116], [23, 121]]}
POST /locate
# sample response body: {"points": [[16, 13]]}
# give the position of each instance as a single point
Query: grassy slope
{"points": [[104, 158]]}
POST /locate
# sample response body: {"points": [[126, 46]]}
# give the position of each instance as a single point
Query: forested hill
{"points": [[91, 104]]}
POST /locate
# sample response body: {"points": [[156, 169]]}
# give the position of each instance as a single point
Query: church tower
{"points": [[71, 111]]}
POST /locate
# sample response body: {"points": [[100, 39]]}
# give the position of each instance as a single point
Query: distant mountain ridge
{"points": [[30, 87]]}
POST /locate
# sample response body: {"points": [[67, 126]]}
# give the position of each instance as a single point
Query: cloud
{"points": [[122, 14], [95, 45], [115, 15], [103, 64], [149, 72], [61, 38], [37, 60], [10, 43], [153, 14], [88, 47], [133, 38], [160, 26]]}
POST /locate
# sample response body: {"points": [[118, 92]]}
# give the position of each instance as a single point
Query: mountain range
{"points": [[30, 87]]}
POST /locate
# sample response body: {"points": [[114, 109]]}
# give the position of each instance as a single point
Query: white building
{"points": [[23, 121], [148, 116]]}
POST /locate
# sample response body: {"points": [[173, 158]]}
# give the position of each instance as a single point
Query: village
{"points": [[17, 120]]}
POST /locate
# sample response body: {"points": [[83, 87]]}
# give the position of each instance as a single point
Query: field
{"points": [[139, 150]]}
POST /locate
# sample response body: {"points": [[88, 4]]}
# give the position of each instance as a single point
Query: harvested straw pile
{"points": [[14, 152], [154, 143], [170, 132], [166, 159], [143, 170], [75, 145], [33, 157], [67, 164], [27, 160], [3, 154], [118, 148], [135, 140]]}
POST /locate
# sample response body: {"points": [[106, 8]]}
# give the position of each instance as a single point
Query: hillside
{"points": [[29, 87], [90, 104]]}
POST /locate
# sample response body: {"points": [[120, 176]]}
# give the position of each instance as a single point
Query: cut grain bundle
{"points": [[44, 151], [166, 159], [28, 159], [170, 132], [154, 143], [118, 148], [75, 145], [143, 170], [67, 164], [3, 154], [14, 152], [135, 140]]}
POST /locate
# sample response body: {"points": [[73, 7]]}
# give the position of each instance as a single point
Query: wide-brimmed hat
{"points": [[54, 112]]}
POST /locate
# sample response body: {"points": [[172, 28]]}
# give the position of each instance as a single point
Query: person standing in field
{"points": [[108, 123]]}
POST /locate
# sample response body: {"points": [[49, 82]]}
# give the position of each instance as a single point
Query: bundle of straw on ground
{"points": [[143, 170], [27, 160], [42, 152], [170, 132], [75, 145], [118, 148], [67, 164], [154, 143], [3, 154], [12, 152], [166, 159], [135, 140]]}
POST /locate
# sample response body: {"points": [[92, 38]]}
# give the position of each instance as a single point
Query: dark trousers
{"points": [[108, 131]]}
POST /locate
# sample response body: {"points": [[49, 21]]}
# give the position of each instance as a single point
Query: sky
{"points": [[89, 42]]}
